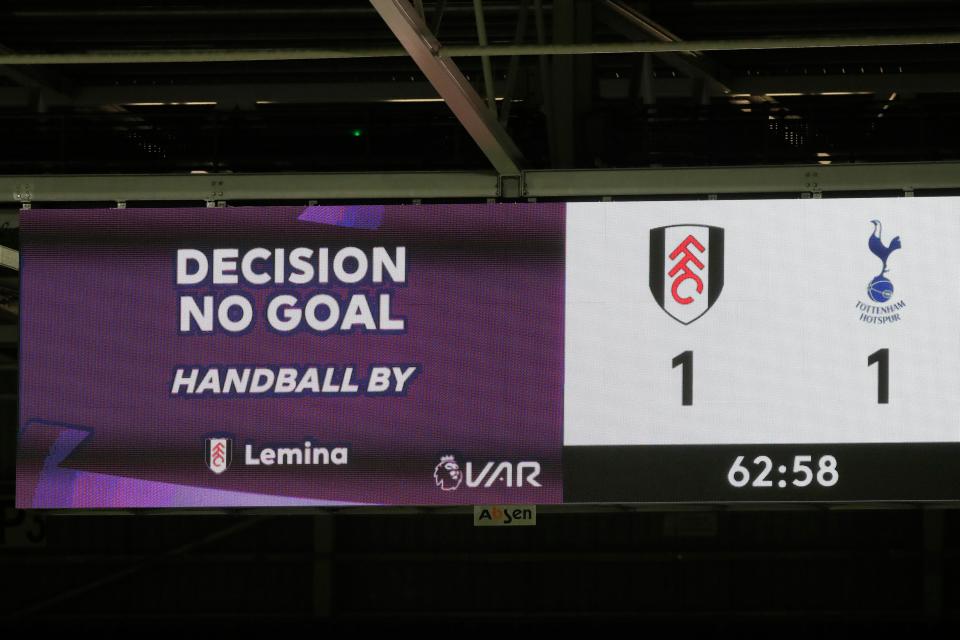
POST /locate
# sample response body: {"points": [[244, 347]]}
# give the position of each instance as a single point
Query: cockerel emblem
{"points": [[880, 288], [686, 269]]}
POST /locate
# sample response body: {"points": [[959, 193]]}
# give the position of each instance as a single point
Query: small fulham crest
{"points": [[219, 453]]}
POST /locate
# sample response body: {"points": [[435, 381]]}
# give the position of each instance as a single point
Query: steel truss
{"points": [[215, 189]]}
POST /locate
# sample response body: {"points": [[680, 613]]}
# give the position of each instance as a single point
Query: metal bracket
{"points": [[23, 193], [10, 258], [908, 192], [812, 184], [216, 190], [121, 204], [511, 186]]}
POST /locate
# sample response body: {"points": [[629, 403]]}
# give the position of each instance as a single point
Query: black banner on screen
{"points": [[762, 473]]}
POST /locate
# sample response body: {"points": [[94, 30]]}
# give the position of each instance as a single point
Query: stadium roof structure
{"points": [[393, 85]]}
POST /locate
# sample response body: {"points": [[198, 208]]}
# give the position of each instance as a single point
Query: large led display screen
{"points": [[661, 351], [291, 356], [804, 349]]}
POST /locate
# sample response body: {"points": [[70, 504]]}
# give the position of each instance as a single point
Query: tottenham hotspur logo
{"points": [[882, 308], [447, 474], [880, 288]]}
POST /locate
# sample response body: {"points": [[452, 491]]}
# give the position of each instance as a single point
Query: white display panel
{"points": [[782, 355]]}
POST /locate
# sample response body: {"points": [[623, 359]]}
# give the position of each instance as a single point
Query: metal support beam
{"points": [[546, 87], [10, 258], [571, 83], [438, 10], [171, 56], [563, 84], [632, 24], [48, 82], [479, 121], [790, 179], [647, 94], [589, 183], [196, 11], [194, 95], [238, 187], [367, 92], [583, 88], [513, 69], [485, 63]]}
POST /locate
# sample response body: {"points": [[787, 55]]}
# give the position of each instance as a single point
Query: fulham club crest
{"points": [[686, 269], [219, 452]]}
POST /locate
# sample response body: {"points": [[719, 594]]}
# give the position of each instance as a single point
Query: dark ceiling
{"points": [[802, 105]]}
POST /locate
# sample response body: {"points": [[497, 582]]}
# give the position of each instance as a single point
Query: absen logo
{"points": [[448, 475], [686, 269], [504, 516]]}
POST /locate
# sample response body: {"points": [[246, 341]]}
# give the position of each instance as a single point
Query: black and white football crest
{"points": [[219, 453], [686, 269]]}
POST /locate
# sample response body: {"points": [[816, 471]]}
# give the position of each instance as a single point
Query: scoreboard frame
{"points": [[801, 181]]}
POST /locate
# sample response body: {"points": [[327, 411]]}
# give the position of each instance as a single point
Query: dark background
{"points": [[795, 569]]}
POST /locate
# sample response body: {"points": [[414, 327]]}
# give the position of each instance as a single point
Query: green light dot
{"points": [[356, 133]]}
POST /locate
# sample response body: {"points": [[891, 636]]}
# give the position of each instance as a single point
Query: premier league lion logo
{"points": [[447, 474]]}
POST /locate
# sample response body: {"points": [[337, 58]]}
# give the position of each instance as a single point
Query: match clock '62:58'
{"points": [[763, 472]]}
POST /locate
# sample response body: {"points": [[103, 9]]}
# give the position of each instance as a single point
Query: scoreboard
{"points": [[754, 350], [762, 349]]}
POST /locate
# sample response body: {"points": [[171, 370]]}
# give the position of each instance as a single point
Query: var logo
{"points": [[686, 269], [448, 475]]}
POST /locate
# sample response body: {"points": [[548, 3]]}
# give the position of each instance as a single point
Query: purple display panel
{"points": [[135, 393]]}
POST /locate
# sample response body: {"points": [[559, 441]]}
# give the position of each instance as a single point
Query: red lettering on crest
{"points": [[682, 268], [218, 455]]}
